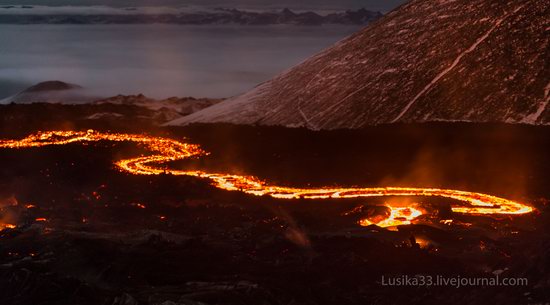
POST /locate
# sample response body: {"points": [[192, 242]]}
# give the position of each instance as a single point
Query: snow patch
{"points": [[455, 63], [534, 117]]}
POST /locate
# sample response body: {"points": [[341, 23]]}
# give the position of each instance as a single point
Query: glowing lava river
{"points": [[165, 150]]}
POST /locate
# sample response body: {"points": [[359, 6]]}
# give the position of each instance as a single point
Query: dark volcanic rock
{"points": [[195, 245], [464, 60]]}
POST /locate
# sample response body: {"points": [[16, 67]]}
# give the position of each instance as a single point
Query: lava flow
{"points": [[167, 150]]}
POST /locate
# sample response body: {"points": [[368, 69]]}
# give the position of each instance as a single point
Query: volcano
{"points": [[463, 60], [52, 92]]}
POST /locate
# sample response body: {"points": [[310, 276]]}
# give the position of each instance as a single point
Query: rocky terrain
{"points": [[463, 60], [213, 16]]}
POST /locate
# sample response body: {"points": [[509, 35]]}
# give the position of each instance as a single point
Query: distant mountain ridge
{"points": [[58, 92], [169, 109], [213, 16], [461, 60], [377, 5]]}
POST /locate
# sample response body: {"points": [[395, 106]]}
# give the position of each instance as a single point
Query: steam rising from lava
{"points": [[167, 150], [7, 218]]}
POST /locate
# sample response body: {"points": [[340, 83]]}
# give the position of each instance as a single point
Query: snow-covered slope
{"points": [[429, 60]]}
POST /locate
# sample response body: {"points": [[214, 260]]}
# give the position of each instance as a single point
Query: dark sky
{"points": [[381, 5]]}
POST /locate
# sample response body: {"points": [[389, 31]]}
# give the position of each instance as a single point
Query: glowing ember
{"points": [[398, 216], [6, 226], [167, 150]]}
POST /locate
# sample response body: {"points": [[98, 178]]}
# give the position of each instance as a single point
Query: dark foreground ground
{"points": [[112, 238]]}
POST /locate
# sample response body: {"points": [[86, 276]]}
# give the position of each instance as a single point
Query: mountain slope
{"points": [[467, 60]]}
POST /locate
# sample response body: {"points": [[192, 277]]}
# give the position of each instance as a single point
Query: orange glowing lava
{"points": [[166, 150], [6, 226], [398, 216]]}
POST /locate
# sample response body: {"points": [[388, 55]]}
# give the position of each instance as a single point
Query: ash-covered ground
{"points": [[86, 233]]}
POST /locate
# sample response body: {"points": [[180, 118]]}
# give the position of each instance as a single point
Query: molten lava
{"points": [[166, 150], [398, 216], [6, 226]]}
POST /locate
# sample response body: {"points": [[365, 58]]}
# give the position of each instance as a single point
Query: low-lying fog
{"points": [[157, 60]]}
